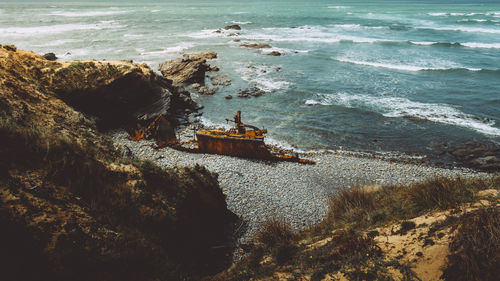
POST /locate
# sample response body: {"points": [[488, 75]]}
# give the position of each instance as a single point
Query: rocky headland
{"points": [[71, 206]]}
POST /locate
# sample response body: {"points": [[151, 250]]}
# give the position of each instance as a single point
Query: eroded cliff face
{"points": [[70, 207]]}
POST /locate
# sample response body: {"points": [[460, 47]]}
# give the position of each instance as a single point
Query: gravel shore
{"points": [[259, 190]]}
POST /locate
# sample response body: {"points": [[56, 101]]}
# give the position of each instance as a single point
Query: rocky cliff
{"points": [[71, 208], [189, 69]]}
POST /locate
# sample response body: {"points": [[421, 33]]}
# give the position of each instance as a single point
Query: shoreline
{"points": [[258, 190]]}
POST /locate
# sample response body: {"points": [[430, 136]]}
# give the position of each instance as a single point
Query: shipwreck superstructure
{"points": [[243, 140]]}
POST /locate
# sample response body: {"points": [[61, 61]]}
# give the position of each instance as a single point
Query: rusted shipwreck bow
{"points": [[242, 140]]}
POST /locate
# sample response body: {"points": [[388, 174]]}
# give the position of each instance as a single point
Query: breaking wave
{"points": [[464, 29], [392, 107], [87, 14], [262, 76], [456, 44], [55, 29], [170, 50], [339, 7], [404, 67]]}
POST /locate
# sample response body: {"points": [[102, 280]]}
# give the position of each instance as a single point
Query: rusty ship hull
{"points": [[233, 146]]}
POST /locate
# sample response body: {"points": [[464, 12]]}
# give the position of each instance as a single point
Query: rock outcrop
{"points": [[251, 92], [70, 207], [256, 45], [478, 155], [203, 90], [233, 27], [189, 69], [118, 93], [220, 80], [274, 54]]}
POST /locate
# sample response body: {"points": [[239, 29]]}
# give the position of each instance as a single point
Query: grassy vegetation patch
{"points": [[359, 209], [475, 250]]}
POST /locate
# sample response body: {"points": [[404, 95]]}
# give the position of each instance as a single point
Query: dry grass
{"points": [[475, 250], [65, 161], [278, 238], [442, 193], [274, 232], [358, 208], [352, 204]]}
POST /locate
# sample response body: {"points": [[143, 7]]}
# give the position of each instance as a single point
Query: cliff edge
{"points": [[72, 208]]}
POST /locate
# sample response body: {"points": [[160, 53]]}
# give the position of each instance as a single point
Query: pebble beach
{"points": [[259, 190]]}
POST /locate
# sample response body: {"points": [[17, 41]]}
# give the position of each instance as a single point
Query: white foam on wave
{"points": [[450, 66], [440, 14], [464, 29], [129, 35], [55, 29], [481, 45], [474, 20], [210, 124], [155, 11], [262, 76], [423, 43], [208, 33], [352, 26], [87, 14], [241, 22], [179, 48], [59, 42], [339, 7], [402, 107], [465, 44], [283, 51], [311, 34], [283, 145]]}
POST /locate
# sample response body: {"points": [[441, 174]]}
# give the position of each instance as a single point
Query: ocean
{"points": [[409, 77]]}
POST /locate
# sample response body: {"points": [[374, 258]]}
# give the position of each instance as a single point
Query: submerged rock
{"points": [[220, 80], [203, 90], [256, 45], [274, 53], [191, 68], [251, 92], [234, 27], [478, 155]]}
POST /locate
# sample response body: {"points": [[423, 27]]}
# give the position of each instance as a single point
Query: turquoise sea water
{"points": [[401, 76]]}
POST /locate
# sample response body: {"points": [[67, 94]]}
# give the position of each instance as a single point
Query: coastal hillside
{"points": [[439, 229], [71, 206]]}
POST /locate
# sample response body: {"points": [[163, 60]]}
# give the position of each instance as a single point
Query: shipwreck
{"points": [[243, 140]]}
